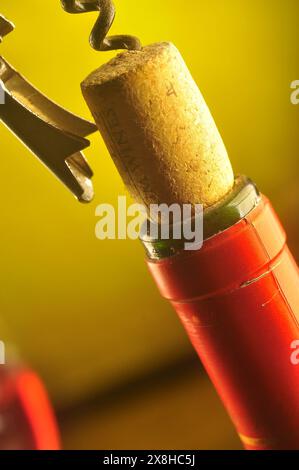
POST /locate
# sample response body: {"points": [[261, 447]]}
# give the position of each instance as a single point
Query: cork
{"points": [[158, 128]]}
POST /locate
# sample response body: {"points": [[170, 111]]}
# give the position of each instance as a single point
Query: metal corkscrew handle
{"points": [[98, 37], [6, 27]]}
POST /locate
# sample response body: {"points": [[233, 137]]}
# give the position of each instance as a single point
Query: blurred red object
{"points": [[27, 421]]}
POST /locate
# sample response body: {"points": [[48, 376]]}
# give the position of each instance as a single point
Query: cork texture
{"points": [[158, 128]]}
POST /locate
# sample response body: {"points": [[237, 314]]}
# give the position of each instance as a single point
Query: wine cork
{"points": [[158, 128]]}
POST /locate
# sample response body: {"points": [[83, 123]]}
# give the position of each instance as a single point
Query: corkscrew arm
{"points": [[54, 135]]}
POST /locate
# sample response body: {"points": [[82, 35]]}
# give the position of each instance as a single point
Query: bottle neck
{"points": [[234, 207]]}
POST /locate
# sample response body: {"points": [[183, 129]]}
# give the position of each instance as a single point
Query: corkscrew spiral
{"points": [[98, 37]]}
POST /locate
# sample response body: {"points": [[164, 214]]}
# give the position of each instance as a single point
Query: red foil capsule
{"points": [[238, 299]]}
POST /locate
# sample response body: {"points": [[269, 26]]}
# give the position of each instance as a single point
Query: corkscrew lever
{"points": [[54, 135]]}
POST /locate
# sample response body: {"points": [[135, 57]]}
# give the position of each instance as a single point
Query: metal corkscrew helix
{"points": [[98, 37]]}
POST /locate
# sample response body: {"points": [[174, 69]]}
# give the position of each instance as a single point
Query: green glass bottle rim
{"points": [[231, 209]]}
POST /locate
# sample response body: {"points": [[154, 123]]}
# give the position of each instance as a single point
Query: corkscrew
{"points": [[98, 37], [56, 136]]}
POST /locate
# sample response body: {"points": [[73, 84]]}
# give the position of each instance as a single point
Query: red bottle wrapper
{"points": [[238, 299]]}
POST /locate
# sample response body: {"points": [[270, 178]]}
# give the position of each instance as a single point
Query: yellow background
{"points": [[85, 312]]}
